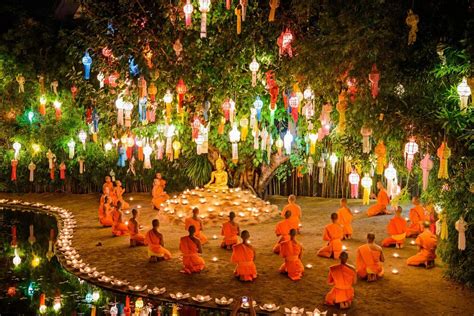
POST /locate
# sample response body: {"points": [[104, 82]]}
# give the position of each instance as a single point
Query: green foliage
{"points": [[198, 170]]}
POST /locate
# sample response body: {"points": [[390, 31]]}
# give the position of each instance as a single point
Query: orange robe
{"points": [[105, 216], [333, 234], [344, 216], [295, 217], [158, 193], [230, 233], [396, 228], [243, 255], [118, 228], [119, 197], [135, 235], [191, 260], [155, 249], [292, 251], [282, 230], [342, 277], [382, 201], [108, 185], [427, 242], [197, 224], [417, 217], [368, 261]]}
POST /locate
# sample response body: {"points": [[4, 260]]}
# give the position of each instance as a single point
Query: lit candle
{"points": [[412, 242], [344, 248], [356, 211], [394, 271], [396, 255], [407, 219], [139, 206], [214, 237], [214, 259], [309, 266], [131, 199]]}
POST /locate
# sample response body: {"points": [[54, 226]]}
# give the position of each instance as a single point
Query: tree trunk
{"points": [[267, 172]]}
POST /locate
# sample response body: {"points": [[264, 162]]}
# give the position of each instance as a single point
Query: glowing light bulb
{"points": [[35, 261], [95, 296], [107, 147], [16, 259]]}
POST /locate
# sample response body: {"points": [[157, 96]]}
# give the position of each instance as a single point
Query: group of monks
{"points": [[369, 257]]}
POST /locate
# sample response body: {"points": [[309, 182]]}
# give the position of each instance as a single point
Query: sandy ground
{"points": [[415, 291]]}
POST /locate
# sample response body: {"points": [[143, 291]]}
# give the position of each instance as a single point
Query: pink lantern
{"points": [[426, 165], [226, 108], [411, 148], [188, 11], [354, 179], [374, 78]]}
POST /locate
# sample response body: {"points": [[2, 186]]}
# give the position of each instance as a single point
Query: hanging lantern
{"points": [[284, 42], [176, 149], [168, 98], [170, 129], [57, 107], [258, 105], [426, 165], [294, 102], [148, 55], [42, 106], [107, 147], [234, 137], [71, 145], [119, 104], [188, 11], [139, 304], [32, 168], [133, 67], [274, 4], [181, 90], [244, 128], [16, 147], [243, 4], [226, 108], [42, 304], [127, 112], [82, 137], [367, 185], [204, 6], [313, 138], [354, 179], [341, 108], [374, 78], [333, 161], [366, 132], [321, 167], [238, 13], [390, 174], [254, 66], [87, 62], [443, 153], [147, 150], [16, 258], [380, 152], [255, 134], [325, 118], [310, 165], [412, 21], [287, 140], [57, 303], [464, 92], [411, 148], [111, 80], [279, 145], [196, 125], [14, 165], [152, 91]]}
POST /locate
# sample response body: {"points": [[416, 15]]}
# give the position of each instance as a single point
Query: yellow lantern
{"points": [[176, 149], [279, 144], [244, 128], [367, 185], [313, 138]]}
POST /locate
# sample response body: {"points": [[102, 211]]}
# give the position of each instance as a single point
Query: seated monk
{"points": [[230, 231], [108, 187], [417, 217], [333, 234], [344, 216], [368, 260], [118, 228], [156, 244], [342, 276], [383, 200], [243, 255], [282, 230], [197, 223], [427, 243], [191, 247], [136, 238], [119, 191], [158, 193], [396, 228], [105, 213], [292, 251], [295, 210]]}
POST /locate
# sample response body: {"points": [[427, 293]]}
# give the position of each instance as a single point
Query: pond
{"points": [[34, 282]]}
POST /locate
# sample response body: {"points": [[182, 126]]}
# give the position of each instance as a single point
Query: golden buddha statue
{"points": [[219, 177]]}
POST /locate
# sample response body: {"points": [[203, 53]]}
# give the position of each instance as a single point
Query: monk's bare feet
{"points": [[152, 259], [345, 305], [429, 264], [371, 277]]}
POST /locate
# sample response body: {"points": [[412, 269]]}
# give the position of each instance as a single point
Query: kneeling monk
{"points": [[105, 214], [396, 228], [369, 258], [292, 251], [383, 200], [156, 244], [295, 210], [230, 231], [427, 243], [136, 238], [118, 228], [332, 234], [342, 276], [158, 193], [282, 230], [344, 216], [417, 217], [197, 223], [243, 255], [119, 191], [191, 247]]}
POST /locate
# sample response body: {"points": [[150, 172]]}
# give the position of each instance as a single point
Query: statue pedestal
{"points": [[215, 205]]}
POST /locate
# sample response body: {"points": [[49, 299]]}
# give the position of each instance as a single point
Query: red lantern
{"points": [[14, 241], [226, 109], [181, 89], [273, 89], [374, 78], [107, 52], [294, 104], [196, 126], [284, 43], [74, 91], [127, 309], [110, 80], [11, 291]]}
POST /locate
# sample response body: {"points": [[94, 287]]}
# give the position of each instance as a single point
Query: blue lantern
{"points": [[134, 71], [122, 157], [258, 104], [31, 116], [142, 109], [110, 29], [87, 62], [89, 298], [31, 289], [95, 121]]}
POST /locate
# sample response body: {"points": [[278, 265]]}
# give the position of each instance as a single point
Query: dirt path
{"points": [[415, 291]]}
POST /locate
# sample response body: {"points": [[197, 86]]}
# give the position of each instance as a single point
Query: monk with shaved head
{"points": [[333, 234]]}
